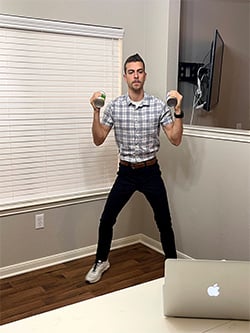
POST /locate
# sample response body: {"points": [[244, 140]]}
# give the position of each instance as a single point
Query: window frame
{"points": [[65, 28]]}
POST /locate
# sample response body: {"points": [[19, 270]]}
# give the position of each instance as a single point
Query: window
{"points": [[48, 72]]}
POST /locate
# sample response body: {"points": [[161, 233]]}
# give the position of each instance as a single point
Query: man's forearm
{"points": [[177, 131], [99, 131]]}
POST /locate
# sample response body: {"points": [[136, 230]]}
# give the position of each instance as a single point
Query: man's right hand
{"points": [[95, 96]]}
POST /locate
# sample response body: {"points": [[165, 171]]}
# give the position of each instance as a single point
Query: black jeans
{"points": [[148, 181]]}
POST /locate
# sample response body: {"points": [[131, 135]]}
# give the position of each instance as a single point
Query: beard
{"points": [[136, 85]]}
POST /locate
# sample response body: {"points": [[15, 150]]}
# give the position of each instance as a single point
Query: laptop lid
{"points": [[207, 289]]}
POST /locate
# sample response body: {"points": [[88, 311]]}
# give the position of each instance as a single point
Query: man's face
{"points": [[135, 75]]}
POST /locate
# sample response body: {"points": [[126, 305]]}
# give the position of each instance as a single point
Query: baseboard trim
{"points": [[156, 245], [35, 264]]}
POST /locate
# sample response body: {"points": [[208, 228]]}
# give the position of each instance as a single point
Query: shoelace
{"points": [[98, 263]]}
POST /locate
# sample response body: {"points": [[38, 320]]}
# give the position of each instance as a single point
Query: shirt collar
{"points": [[145, 100]]}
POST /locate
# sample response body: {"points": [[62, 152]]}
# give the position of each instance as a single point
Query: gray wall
{"points": [[73, 227], [209, 184], [66, 229], [210, 208], [199, 19]]}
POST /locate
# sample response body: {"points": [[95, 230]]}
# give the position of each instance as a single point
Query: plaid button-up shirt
{"points": [[137, 127]]}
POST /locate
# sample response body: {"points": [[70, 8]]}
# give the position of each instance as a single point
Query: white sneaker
{"points": [[96, 271]]}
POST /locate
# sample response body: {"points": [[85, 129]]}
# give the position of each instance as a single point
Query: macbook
{"points": [[207, 289]]}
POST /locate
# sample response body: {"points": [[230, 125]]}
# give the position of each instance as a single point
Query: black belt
{"points": [[139, 164]]}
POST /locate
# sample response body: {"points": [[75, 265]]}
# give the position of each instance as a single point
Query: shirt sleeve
{"points": [[107, 118], [166, 116]]}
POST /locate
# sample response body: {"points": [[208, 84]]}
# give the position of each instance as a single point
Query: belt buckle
{"points": [[138, 165]]}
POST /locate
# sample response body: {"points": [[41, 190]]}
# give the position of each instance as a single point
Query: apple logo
{"points": [[213, 290]]}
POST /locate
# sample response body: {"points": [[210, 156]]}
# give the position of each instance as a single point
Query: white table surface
{"points": [[137, 309]]}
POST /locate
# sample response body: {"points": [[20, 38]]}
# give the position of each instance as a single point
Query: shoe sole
{"points": [[99, 278]]}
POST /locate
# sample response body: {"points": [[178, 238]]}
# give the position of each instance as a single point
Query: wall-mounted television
{"points": [[210, 93], [207, 77]]}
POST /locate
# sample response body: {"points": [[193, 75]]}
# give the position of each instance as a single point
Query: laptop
{"points": [[207, 289]]}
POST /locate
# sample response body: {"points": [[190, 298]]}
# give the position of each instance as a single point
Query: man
{"points": [[136, 118]]}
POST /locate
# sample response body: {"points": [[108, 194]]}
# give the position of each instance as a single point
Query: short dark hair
{"points": [[134, 58]]}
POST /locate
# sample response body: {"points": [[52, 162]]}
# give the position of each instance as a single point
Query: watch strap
{"points": [[179, 115]]}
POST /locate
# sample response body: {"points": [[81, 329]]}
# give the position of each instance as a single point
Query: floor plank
{"points": [[49, 288]]}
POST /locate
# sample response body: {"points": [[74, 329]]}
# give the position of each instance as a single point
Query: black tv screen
{"points": [[212, 94]]}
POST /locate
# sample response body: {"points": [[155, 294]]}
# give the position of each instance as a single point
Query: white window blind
{"points": [[48, 72]]}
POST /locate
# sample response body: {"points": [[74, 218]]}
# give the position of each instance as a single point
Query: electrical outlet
{"points": [[39, 221]]}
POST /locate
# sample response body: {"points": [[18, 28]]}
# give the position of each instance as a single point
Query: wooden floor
{"points": [[42, 290]]}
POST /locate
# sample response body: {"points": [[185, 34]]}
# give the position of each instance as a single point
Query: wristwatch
{"points": [[179, 115]]}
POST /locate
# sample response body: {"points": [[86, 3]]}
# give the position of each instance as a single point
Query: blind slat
{"points": [[45, 126]]}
